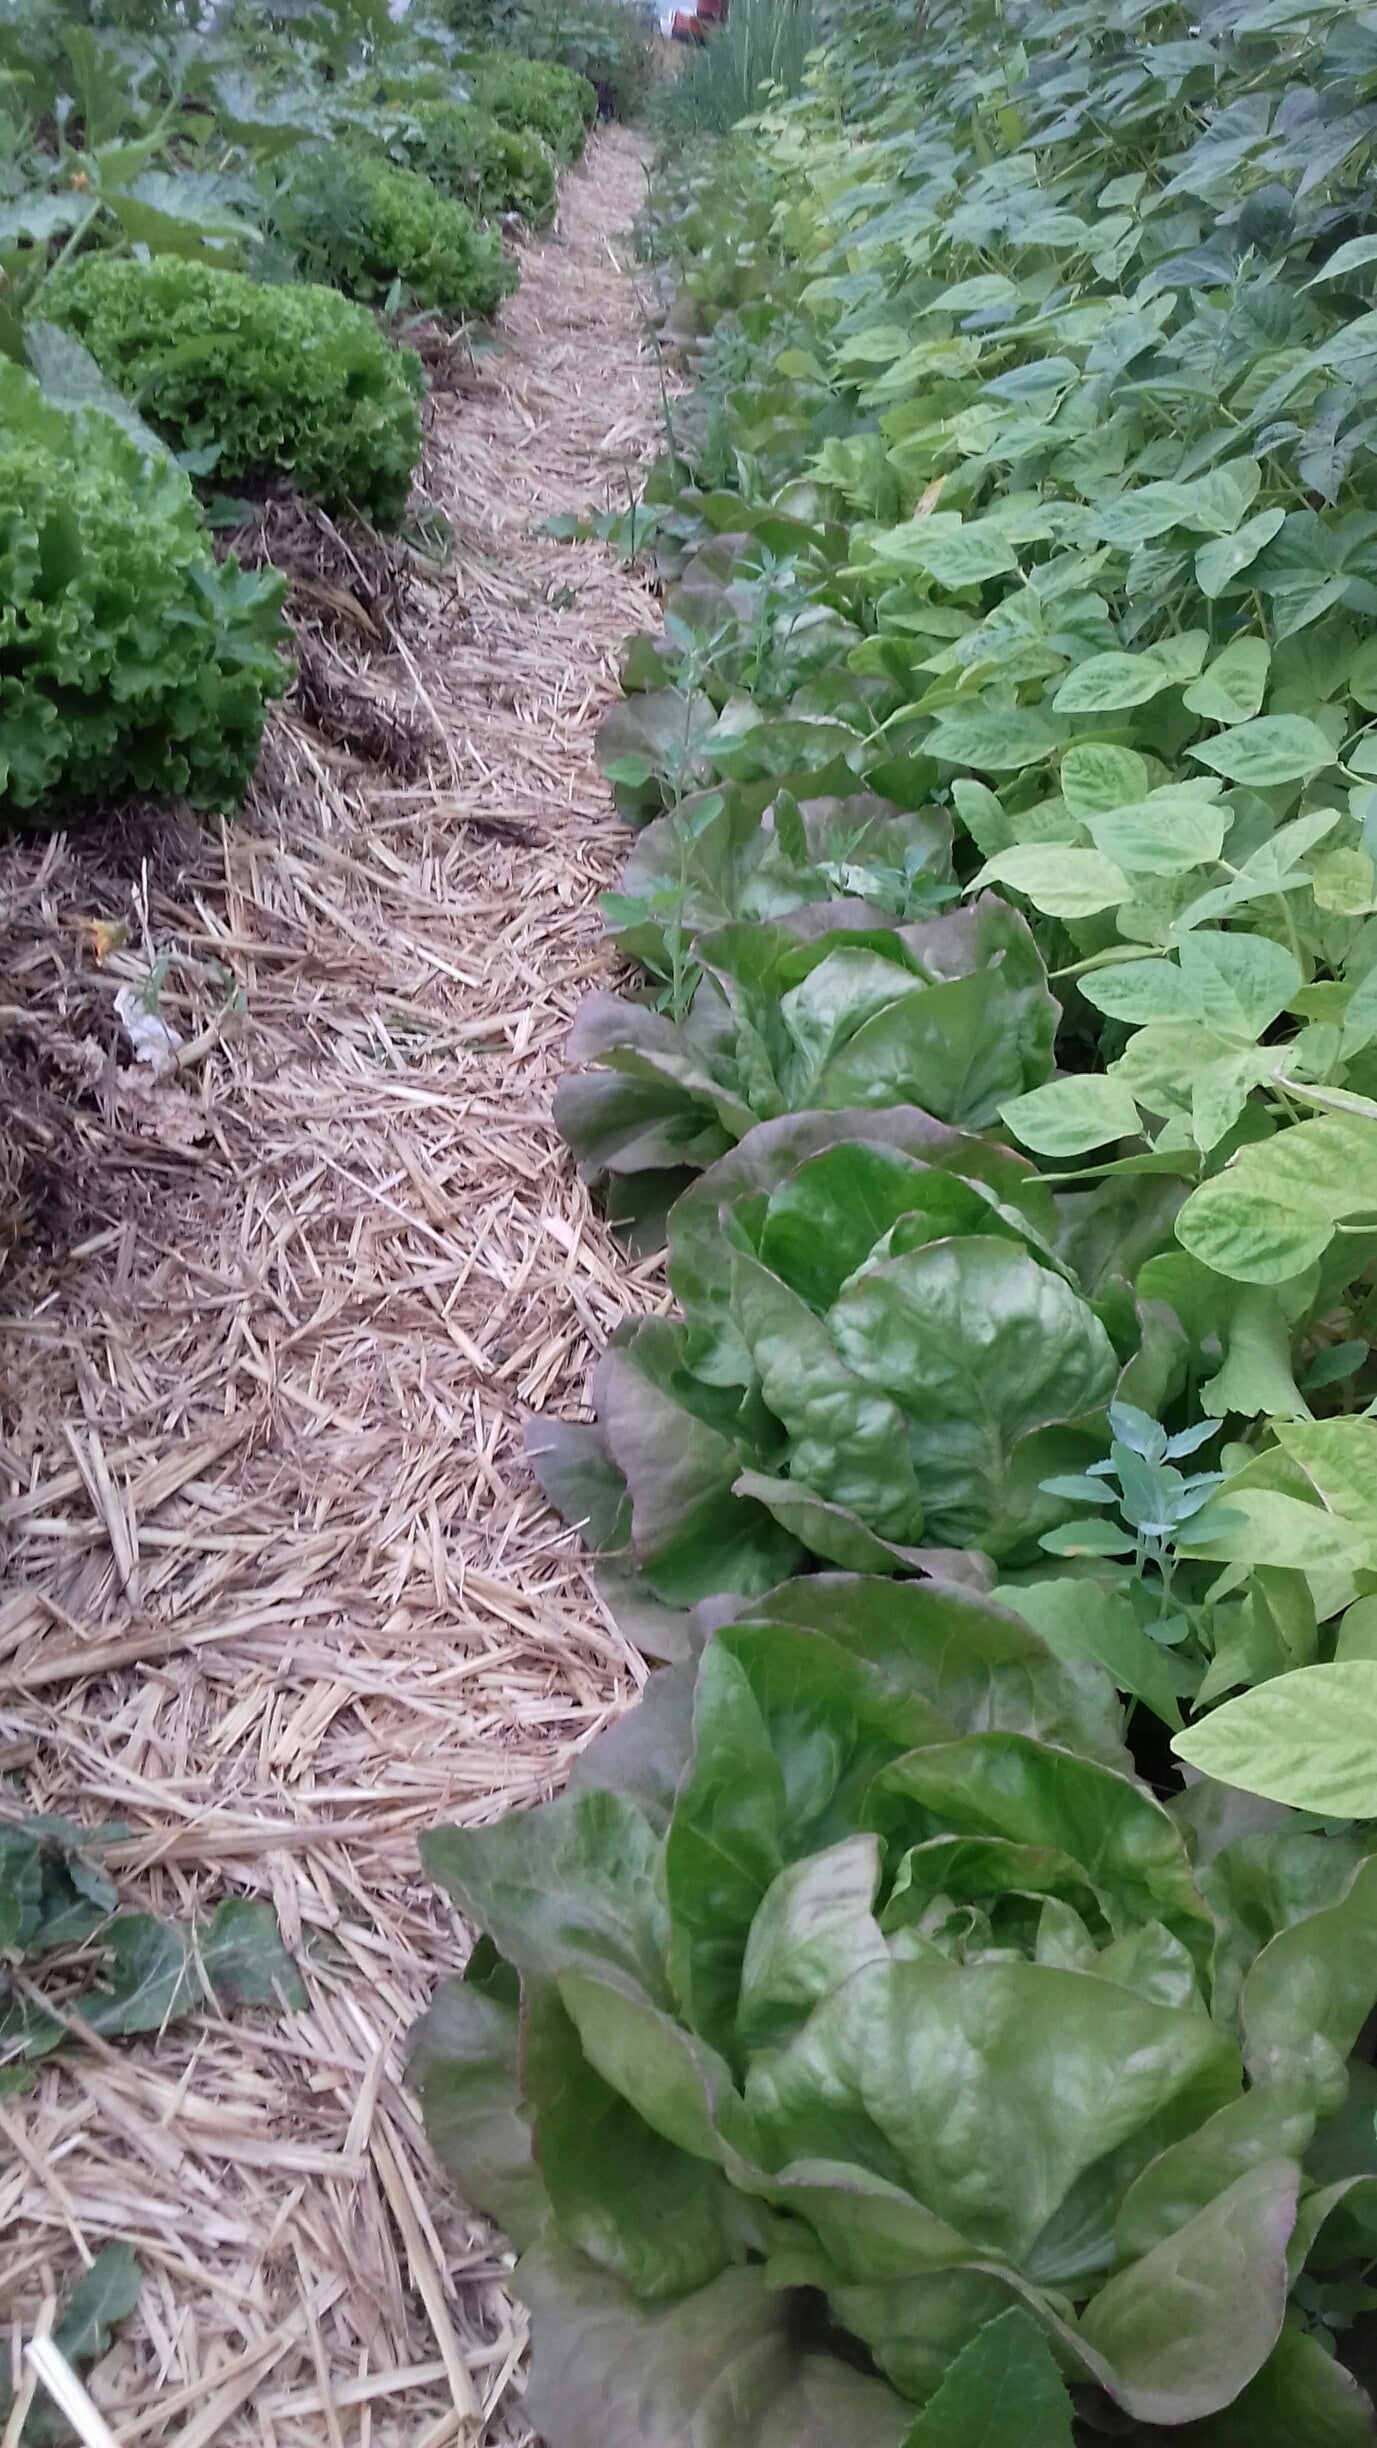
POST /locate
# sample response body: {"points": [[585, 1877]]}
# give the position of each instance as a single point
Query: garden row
{"points": [[208, 248], [940, 2013]]}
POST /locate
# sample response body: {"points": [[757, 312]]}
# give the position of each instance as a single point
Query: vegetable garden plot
{"points": [[1019, 541], [284, 1597]]}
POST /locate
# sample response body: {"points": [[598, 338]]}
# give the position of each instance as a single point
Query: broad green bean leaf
{"points": [[1106, 682], [1339, 1458], [1168, 835], [1219, 562], [1258, 1524], [1273, 749], [1003, 2391], [1070, 1115], [954, 552], [1344, 883], [1238, 982], [1185, 2328], [1350, 257], [1231, 688], [1272, 869], [991, 740], [1181, 656], [1084, 1538], [1064, 881], [1141, 991], [1097, 776], [1275, 1207], [1308, 1739], [1256, 1375]]}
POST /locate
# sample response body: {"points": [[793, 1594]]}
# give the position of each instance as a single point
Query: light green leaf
{"points": [[1274, 749], [1219, 562], [1071, 1115], [1096, 776], [1106, 682], [1064, 881], [1275, 1207], [1231, 689], [1078, 1620], [954, 552], [1168, 835], [993, 741], [1308, 1739], [1350, 257]]}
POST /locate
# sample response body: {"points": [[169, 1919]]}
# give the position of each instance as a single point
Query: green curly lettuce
{"points": [[128, 658], [361, 225], [554, 103], [469, 155], [289, 381]]}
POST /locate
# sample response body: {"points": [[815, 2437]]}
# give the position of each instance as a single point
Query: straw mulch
{"points": [[280, 1592]]}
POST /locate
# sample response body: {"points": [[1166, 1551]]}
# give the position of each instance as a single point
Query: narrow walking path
{"points": [[281, 1593]]}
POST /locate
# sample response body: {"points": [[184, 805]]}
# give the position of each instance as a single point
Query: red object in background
{"points": [[693, 27]]}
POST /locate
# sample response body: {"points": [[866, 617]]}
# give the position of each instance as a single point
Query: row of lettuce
{"points": [[940, 2012], [209, 244]]}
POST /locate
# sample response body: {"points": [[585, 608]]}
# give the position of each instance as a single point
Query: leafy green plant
{"points": [[536, 95], [470, 156], [120, 1972], [760, 852], [360, 225], [860, 2050], [880, 1360], [827, 1009], [275, 381], [1156, 1501], [130, 658]]}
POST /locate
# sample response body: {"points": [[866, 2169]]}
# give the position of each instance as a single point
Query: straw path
{"points": [[280, 1592]]}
